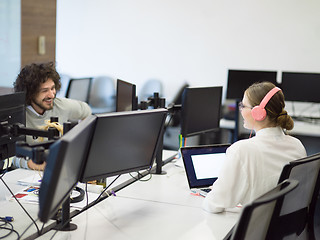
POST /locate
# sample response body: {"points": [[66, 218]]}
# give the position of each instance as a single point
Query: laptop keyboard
{"points": [[206, 189]]}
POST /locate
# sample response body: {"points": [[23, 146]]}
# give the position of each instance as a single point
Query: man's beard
{"points": [[42, 105]]}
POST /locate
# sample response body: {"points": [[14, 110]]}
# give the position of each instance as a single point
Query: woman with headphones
{"points": [[253, 165]]}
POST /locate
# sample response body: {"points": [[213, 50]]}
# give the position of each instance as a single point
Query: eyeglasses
{"points": [[241, 106]]}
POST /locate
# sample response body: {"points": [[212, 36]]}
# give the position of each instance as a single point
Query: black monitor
{"points": [[176, 105], [124, 142], [240, 80], [302, 87], [200, 110], [79, 89], [12, 110], [63, 169], [126, 99]]}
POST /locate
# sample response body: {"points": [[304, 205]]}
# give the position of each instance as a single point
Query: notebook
{"points": [[202, 165]]}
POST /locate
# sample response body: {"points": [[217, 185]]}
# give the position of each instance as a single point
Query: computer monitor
{"points": [[240, 80], [126, 99], [63, 169], [300, 86], [124, 142], [12, 110], [200, 110], [79, 89], [176, 105]]}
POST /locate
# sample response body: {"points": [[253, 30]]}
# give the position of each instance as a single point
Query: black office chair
{"points": [[149, 88], [256, 217], [64, 79], [294, 215], [79, 89]]}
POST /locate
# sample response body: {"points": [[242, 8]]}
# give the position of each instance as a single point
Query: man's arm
{"points": [[26, 163]]}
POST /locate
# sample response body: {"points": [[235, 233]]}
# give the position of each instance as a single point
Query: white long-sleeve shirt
{"points": [[252, 167]]}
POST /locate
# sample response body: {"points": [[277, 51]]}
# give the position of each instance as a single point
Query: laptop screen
{"points": [[203, 163]]}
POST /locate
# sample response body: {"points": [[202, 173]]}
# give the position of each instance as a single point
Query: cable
{"points": [[53, 235], [87, 197], [141, 176], [97, 199], [42, 229], [170, 119], [33, 221], [30, 227], [106, 188], [6, 219], [11, 229], [306, 109]]}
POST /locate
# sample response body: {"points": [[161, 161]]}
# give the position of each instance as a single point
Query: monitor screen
{"points": [[240, 80], [63, 169], [79, 89], [200, 110], [123, 142], [12, 110], [302, 87], [126, 96]]}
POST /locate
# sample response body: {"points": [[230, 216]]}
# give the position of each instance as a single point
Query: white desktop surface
{"points": [[122, 218], [171, 187], [161, 208]]}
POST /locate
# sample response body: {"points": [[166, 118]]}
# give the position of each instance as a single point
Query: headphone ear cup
{"points": [[258, 113]]}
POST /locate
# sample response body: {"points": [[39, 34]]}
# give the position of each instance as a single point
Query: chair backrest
{"points": [[297, 209], [256, 217], [103, 93], [64, 79], [79, 89], [149, 88]]}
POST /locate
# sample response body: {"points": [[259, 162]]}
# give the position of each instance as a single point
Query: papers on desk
{"points": [[34, 180], [28, 195], [31, 195]]}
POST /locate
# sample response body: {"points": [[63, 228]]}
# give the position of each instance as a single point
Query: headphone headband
{"points": [[268, 96], [258, 112]]}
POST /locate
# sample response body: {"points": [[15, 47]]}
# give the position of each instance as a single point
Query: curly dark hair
{"points": [[31, 76]]}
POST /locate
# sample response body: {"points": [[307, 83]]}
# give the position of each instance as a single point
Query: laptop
{"points": [[202, 165]]}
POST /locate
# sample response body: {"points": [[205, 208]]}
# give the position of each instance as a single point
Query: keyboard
{"points": [[201, 191]]}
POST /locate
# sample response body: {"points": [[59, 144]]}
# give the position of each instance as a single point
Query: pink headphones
{"points": [[259, 112]]}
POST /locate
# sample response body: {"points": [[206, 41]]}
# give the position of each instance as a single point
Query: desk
{"points": [[300, 128], [161, 208]]}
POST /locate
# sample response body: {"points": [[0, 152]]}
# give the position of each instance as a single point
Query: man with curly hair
{"points": [[41, 82]]}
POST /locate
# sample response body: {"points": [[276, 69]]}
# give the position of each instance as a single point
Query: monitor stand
{"points": [[159, 160], [64, 223]]}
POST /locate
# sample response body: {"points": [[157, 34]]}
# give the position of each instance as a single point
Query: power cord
{"points": [[33, 221], [106, 188], [140, 176], [30, 227], [7, 222], [97, 199]]}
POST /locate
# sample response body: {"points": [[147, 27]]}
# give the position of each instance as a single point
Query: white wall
{"points": [[178, 41], [10, 38]]}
